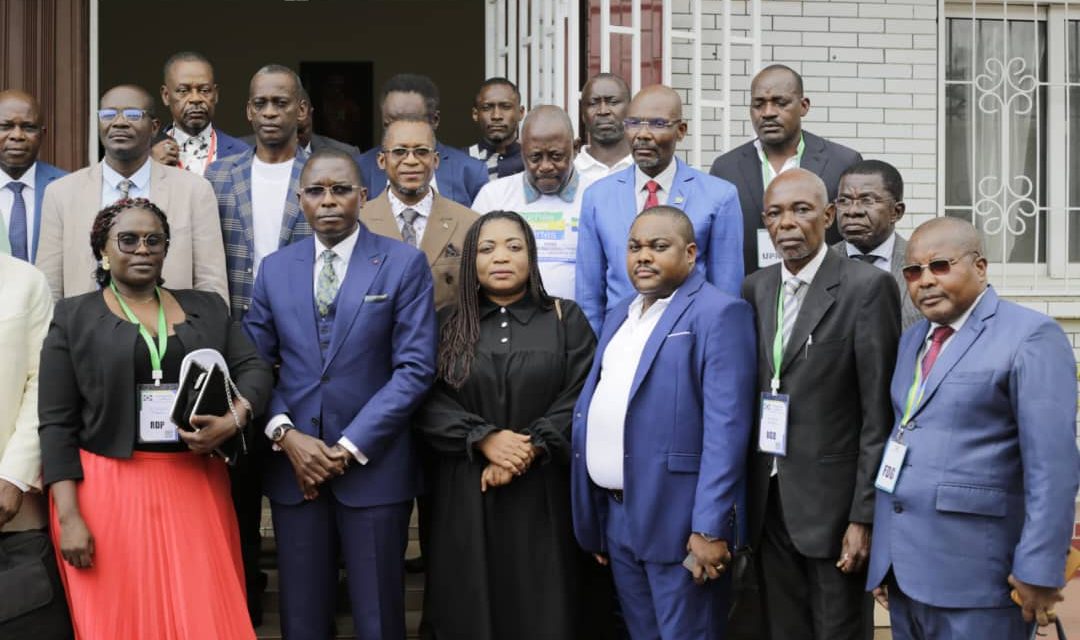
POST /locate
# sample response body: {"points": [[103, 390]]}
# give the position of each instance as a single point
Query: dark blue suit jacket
{"points": [[379, 365], [228, 145], [988, 486], [459, 176], [608, 210], [687, 425], [46, 173]]}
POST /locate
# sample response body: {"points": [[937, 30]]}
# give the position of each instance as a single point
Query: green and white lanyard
{"points": [[766, 168], [157, 352]]}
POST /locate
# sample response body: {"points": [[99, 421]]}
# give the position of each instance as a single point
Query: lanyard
{"points": [[766, 168], [914, 398], [778, 340], [157, 352]]}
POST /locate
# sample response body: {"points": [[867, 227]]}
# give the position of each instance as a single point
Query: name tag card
{"points": [[766, 252], [891, 464], [155, 407], [772, 432]]}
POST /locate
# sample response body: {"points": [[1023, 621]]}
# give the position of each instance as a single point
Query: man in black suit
{"points": [[777, 107], [825, 415]]}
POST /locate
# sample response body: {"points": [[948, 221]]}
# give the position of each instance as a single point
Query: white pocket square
{"points": [[378, 297], [679, 333]]}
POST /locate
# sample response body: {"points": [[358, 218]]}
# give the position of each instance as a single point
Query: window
{"points": [[1011, 136]]}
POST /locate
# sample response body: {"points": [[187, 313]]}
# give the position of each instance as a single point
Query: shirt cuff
{"points": [[351, 448], [21, 485], [275, 422]]}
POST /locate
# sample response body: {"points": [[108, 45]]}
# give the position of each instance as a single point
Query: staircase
{"points": [[271, 626]]}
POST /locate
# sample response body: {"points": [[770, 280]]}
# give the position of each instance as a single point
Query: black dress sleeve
{"points": [[447, 427], [60, 403], [551, 432]]}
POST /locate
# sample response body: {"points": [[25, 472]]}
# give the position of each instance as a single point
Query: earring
{"points": [[105, 263]]}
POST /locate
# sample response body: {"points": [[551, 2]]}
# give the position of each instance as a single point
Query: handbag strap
{"points": [[1060, 630], [230, 389], [558, 309]]}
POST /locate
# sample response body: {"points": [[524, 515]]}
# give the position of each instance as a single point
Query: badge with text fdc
{"points": [[772, 436], [891, 464]]}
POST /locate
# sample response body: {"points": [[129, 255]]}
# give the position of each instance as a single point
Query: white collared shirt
{"points": [[192, 161], [111, 179], [604, 441], [7, 202], [883, 251], [423, 208], [269, 193], [792, 162], [592, 169], [665, 179]]}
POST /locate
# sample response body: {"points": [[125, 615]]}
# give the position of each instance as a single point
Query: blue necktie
{"points": [[17, 223]]}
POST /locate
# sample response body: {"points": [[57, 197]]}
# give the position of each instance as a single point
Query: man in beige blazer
{"points": [[196, 258], [29, 561], [409, 209]]}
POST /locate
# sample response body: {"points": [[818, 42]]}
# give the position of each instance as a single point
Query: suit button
{"points": [[325, 379], [315, 422], [897, 507]]}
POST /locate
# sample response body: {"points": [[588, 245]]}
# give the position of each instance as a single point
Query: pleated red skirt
{"points": [[166, 551]]}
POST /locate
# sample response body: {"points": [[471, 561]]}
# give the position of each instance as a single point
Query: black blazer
{"points": [[87, 394], [742, 167], [840, 413]]}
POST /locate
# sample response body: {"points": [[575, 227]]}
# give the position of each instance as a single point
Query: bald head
{"points": [[131, 94], [21, 131], [954, 274], [655, 128], [547, 147], [957, 233], [659, 96], [797, 214], [681, 224], [809, 184]]}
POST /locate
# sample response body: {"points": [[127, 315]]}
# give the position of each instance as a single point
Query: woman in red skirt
{"points": [[141, 512]]}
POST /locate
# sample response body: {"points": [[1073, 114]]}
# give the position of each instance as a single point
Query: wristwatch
{"points": [[277, 434]]}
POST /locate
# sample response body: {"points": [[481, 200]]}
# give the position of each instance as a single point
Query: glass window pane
{"points": [[958, 44]]}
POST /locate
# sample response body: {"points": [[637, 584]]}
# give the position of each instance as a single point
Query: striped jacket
{"points": [[231, 180]]}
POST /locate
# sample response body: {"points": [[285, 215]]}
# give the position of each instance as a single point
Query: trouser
{"points": [[245, 480], [913, 620], [32, 601]]}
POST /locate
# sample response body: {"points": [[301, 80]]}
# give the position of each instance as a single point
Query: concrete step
{"points": [[271, 627]]}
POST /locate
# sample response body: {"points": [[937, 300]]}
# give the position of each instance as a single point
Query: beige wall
{"points": [[441, 38]]}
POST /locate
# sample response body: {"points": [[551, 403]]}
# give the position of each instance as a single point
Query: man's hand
{"points": [[76, 542], [712, 558], [856, 548], [494, 476], [166, 152], [1038, 601], [508, 449], [10, 501], [313, 461], [881, 594]]}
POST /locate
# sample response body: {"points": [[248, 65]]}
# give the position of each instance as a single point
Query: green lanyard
{"points": [[778, 340], [766, 168], [917, 389], [157, 352]]}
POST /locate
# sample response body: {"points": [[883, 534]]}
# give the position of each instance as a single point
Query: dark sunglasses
{"points": [[129, 242], [939, 267], [317, 191]]}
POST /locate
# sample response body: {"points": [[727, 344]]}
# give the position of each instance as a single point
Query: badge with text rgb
{"points": [[772, 435], [891, 464], [155, 408]]}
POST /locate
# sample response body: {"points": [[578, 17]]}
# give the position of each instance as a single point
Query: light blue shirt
{"points": [[110, 183]]}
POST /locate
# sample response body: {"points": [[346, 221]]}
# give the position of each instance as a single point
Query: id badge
{"points": [[891, 464], [767, 254], [155, 406], [772, 432]]}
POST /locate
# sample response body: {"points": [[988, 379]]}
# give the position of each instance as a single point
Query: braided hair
{"points": [[103, 223], [461, 331]]}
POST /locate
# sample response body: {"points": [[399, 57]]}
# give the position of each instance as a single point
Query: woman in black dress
{"points": [[499, 545]]}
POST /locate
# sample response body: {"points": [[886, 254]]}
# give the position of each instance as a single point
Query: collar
{"points": [[141, 177], [182, 136], [423, 207], [523, 310], [883, 250], [666, 177], [807, 273], [962, 320], [588, 161], [489, 149], [634, 312], [566, 194], [799, 150], [343, 250], [29, 178]]}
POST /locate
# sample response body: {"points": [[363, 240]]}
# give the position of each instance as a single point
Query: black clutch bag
{"points": [[210, 392]]}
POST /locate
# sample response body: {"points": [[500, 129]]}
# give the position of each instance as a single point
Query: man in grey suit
{"points": [[777, 107], [870, 202]]}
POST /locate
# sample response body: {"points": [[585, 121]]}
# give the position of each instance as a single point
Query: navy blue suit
{"points": [[228, 145], [608, 210], [46, 173], [364, 384], [687, 425], [459, 176], [989, 483]]}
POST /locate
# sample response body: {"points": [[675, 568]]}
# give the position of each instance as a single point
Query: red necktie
{"points": [[940, 335], [652, 201]]}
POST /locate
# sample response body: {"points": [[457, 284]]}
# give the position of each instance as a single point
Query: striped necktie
{"points": [[791, 306]]}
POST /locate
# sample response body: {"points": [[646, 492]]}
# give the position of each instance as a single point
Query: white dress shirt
{"points": [[883, 252], [423, 208], [343, 252], [592, 169], [269, 191], [111, 179], [769, 173], [604, 441], [665, 180], [7, 201]]}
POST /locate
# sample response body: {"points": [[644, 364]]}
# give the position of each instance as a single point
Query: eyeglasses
{"points": [[155, 243], [939, 267], [131, 115], [318, 191], [843, 202], [653, 124], [423, 154]]}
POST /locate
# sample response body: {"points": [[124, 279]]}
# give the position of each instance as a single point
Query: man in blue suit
{"points": [[22, 178], [654, 126], [349, 316], [976, 492], [458, 177], [660, 436]]}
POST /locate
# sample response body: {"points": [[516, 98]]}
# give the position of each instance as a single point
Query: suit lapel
{"points": [[378, 216], [814, 157], [364, 265], [819, 298], [445, 174], [240, 173], [291, 214], [46, 173], [301, 279], [750, 167], [627, 201], [765, 299], [678, 305], [898, 255], [159, 186], [440, 228], [681, 187]]}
